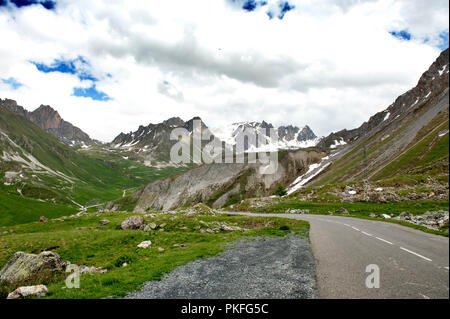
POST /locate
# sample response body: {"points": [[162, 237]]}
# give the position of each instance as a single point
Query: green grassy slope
{"points": [[91, 178], [109, 246], [427, 155]]}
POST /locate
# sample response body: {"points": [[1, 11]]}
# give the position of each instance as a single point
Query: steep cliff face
{"points": [[49, 119], [219, 184]]}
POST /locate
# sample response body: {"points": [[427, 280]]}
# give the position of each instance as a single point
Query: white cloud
{"points": [[328, 64]]}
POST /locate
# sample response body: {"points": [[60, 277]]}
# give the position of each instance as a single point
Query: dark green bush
{"points": [[123, 259], [280, 191]]}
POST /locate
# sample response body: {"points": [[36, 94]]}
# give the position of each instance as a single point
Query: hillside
{"points": [[48, 119], [410, 137], [41, 175]]}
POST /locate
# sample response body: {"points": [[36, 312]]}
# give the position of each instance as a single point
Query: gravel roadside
{"points": [[264, 267]]}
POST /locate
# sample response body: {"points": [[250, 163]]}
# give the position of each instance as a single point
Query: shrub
{"points": [[280, 191], [123, 259]]}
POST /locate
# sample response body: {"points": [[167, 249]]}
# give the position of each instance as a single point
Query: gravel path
{"points": [[265, 267]]}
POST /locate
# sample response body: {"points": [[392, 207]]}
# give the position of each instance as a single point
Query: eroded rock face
{"points": [[25, 267], [219, 184], [133, 222]]}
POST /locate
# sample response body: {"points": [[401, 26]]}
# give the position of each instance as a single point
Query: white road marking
{"points": [[446, 268], [347, 225], [355, 228], [411, 252], [384, 240], [366, 233]]}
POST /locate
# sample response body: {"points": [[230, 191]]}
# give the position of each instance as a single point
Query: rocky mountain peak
{"points": [[46, 117], [189, 125], [174, 121], [49, 119]]}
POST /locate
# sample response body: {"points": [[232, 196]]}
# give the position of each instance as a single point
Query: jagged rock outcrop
{"points": [[290, 133], [154, 139], [49, 119]]}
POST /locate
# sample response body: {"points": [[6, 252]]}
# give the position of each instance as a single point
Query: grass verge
{"points": [[81, 241]]}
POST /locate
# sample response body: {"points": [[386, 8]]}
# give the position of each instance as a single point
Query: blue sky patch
{"points": [[280, 10], [92, 93], [47, 4], [402, 35], [250, 5], [443, 36], [79, 67], [12, 82]]}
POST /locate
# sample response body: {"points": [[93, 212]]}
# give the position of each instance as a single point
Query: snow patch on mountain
{"points": [[313, 171], [292, 137], [338, 143]]}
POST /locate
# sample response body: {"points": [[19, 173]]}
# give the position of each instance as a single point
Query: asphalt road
{"points": [[411, 263]]}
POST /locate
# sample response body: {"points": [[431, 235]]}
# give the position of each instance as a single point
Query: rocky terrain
{"points": [[218, 184], [50, 120], [366, 192]]}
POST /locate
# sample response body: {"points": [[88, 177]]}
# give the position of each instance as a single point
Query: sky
{"points": [[109, 66]]}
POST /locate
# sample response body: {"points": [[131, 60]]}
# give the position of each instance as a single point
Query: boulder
{"points": [[133, 222], [43, 219], [145, 244], [23, 267], [103, 222], [91, 270], [343, 211], [27, 291]]}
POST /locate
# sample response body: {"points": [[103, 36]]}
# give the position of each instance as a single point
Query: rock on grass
{"points": [[133, 222], [28, 291], [25, 267]]}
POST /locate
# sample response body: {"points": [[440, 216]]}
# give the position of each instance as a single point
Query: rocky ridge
{"points": [[49, 119]]}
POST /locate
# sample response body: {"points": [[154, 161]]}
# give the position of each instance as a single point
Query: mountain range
{"points": [[406, 143], [409, 138]]}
